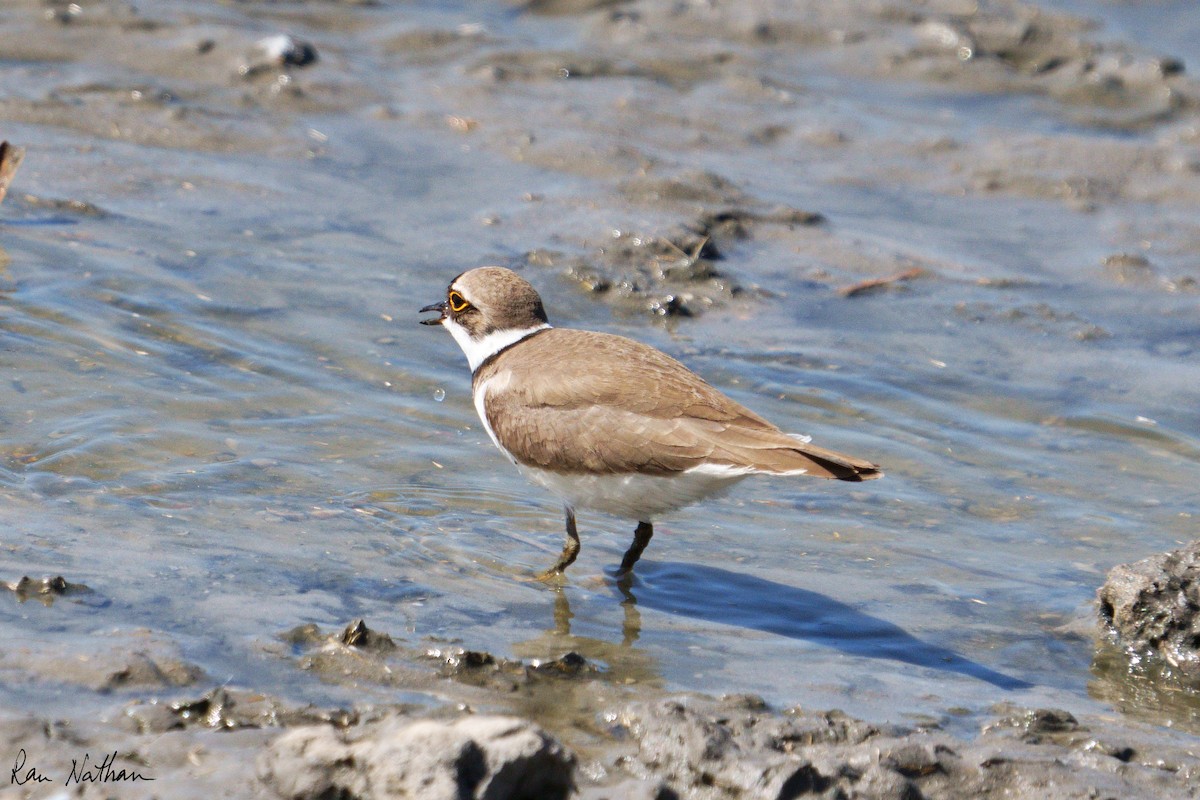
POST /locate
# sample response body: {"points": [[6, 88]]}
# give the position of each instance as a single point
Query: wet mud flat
{"points": [[554, 728], [480, 725], [661, 127]]}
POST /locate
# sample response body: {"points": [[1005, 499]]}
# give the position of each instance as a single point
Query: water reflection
{"points": [[623, 663], [730, 598], [1148, 689]]}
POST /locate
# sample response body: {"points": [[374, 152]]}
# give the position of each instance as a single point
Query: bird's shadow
{"points": [[730, 598]]}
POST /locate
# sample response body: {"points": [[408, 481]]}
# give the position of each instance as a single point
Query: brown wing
{"points": [[626, 407]]}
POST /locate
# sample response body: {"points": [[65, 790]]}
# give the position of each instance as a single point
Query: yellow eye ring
{"points": [[457, 302]]}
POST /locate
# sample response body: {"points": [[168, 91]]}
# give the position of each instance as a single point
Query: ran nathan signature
{"points": [[83, 770]]}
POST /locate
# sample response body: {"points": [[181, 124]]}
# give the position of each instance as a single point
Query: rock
{"points": [[669, 275], [229, 709], [1152, 608], [568, 664], [485, 758], [885, 784], [671, 270], [457, 660], [357, 634], [1033, 725], [634, 789], [45, 589], [697, 750]]}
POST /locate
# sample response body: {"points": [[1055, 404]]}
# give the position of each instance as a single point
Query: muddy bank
{"points": [[499, 729], [661, 144], [690, 747], [615, 739], [733, 97]]}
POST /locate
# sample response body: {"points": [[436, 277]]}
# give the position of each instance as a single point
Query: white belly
{"points": [[637, 497]]}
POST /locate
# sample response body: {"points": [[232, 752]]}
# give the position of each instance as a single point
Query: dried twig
{"points": [[871, 284]]}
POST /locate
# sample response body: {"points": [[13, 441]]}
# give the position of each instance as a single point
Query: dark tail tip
{"points": [[862, 474]]}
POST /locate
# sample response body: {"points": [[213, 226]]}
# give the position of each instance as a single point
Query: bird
{"points": [[605, 422]]}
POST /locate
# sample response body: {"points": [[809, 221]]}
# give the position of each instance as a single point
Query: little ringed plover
{"points": [[605, 422]]}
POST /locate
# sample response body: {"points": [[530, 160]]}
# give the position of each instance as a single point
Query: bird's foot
{"points": [[553, 576]]}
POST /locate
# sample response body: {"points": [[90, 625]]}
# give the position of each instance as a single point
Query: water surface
{"points": [[220, 414]]}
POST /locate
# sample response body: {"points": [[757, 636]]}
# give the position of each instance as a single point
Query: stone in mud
{"points": [[1035, 725], [1152, 608], [356, 653], [797, 728], [485, 758], [669, 274], [229, 709], [479, 668], [458, 659], [570, 664], [357, 634], [45, 589], [672, 272], [703, 753]]}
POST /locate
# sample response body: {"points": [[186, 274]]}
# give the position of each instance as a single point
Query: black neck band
{"points": [[504, 349]]}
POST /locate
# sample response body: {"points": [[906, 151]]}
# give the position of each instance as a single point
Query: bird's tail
{"points": [[822, 463], [777, 453]]}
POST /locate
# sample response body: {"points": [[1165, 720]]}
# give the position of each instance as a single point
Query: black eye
{"points": [[457, 302]]}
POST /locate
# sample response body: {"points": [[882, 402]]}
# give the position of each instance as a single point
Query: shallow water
{"points": [[221, 416]]}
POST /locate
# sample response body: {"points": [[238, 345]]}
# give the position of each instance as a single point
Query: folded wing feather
{"points": [[600, 404]]}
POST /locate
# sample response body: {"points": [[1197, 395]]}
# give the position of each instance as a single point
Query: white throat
{"points": [[478, 350]]}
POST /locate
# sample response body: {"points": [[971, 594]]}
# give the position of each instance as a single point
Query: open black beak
{"points": [[438, 307]]}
